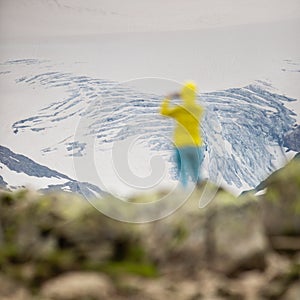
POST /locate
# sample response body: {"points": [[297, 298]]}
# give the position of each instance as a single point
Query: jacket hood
{"points": [[189, 92]]}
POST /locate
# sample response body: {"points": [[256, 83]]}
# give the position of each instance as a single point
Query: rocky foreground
{"points": [[59, 247]]}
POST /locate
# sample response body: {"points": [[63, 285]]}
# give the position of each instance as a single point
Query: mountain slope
{"points": [[28, 172], [246, 129], [264, 183], [242, 144]]}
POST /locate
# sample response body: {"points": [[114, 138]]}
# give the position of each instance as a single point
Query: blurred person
{"points": [[188, 144]]}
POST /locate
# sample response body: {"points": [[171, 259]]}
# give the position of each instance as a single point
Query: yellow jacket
{"points": [[188, 117]]}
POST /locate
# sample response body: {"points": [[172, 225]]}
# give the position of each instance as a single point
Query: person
{"points": [[188, 144]]}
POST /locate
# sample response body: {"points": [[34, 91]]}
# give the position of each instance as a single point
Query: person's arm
{"points": [[165, 108]]}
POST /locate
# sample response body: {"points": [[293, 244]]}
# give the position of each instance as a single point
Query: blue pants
{"points": [[189, 160]]}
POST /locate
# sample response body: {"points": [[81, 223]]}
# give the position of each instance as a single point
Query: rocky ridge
{"points": [[59, 247]]}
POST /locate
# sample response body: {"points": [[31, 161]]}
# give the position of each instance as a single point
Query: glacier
{"points": [[245, 129]]}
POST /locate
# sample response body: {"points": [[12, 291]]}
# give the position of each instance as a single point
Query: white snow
{"points": [[219, 44]]}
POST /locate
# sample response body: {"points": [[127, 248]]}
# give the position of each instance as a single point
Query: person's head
{"points": [[189, 92]]}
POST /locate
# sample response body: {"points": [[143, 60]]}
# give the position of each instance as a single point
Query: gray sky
{"points": [[27, 18]]}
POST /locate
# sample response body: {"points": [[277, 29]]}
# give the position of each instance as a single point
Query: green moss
{"points": [[44, 204], [42, 272], [60, 259], [10, 233], [13, 271], [273, 195], [7, 199], [21, 194], [55, 263], [180, 233], [296, 207], [136, 254], [116, 268], [8, 252], [134, 261], [294, 273]]}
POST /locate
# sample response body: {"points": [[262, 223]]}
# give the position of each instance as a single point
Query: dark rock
{"points": [[291, 139], [22, 164], [3, 183], [178, 241], [279, 285], [235, 238], [11, 290], [226, 293], [293, 292]]}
